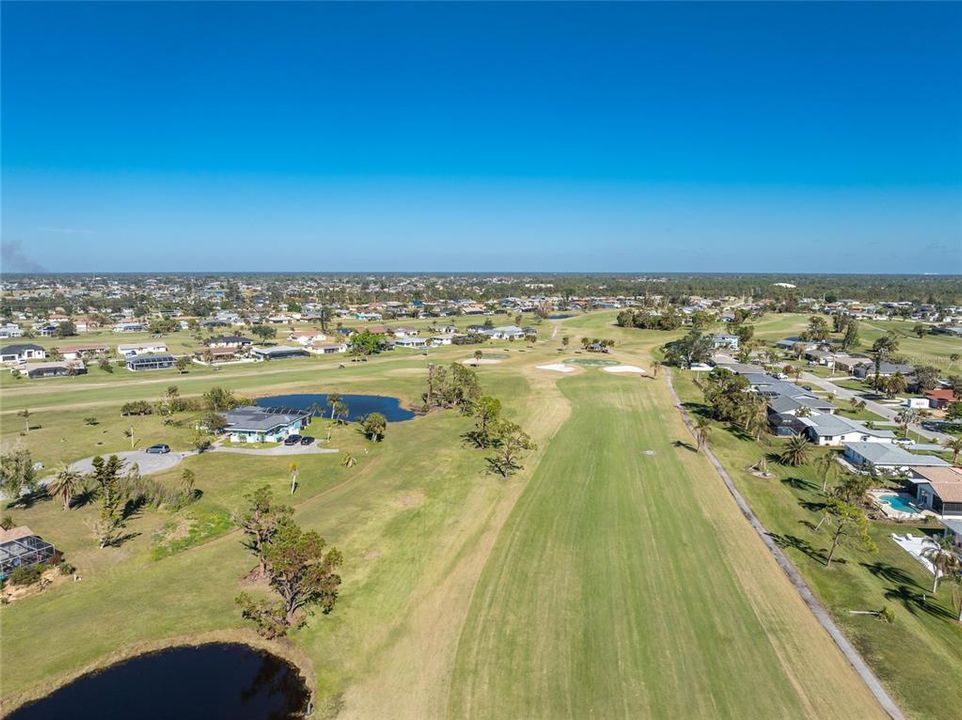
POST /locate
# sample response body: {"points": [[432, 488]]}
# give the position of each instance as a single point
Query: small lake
{"points": [[357, 405], [559, 316], [226, 681]]}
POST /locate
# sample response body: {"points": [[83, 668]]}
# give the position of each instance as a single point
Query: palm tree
{"points": [[654, 368], [881, 349], [333, 400], [702, 430], [477, 357], [943, 558], [827, 468], [804, 412], [66, 484], [954, 445], [795, 451], [25, 414], [905, 418]]}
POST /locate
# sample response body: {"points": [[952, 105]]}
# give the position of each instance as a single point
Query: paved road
{"points": [[885, 411]]}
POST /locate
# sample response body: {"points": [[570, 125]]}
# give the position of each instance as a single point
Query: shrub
{"points": [[66, 568], [137, 407], [26, 574]]}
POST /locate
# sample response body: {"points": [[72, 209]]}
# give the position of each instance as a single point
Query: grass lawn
{"points": [[598, 581], [919, 656]]}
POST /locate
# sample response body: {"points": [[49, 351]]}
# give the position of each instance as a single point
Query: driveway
{"points": [[885, 411], [279, 450], [149, 463]]}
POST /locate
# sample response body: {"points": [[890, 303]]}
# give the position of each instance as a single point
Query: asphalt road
{"points": [[885, 411]]}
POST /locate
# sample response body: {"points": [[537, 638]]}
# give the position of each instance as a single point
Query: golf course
{"points": [[611, 576]]}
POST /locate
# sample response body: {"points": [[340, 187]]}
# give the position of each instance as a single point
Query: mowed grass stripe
{"points": [[625, 585]]}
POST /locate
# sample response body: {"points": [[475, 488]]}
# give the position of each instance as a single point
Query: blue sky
{"points": [[559, 137]]}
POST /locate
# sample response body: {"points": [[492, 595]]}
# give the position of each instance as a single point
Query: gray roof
{"points": [[18, 349], [838, 425], [259, 419], [889, 454], [784, 403]]}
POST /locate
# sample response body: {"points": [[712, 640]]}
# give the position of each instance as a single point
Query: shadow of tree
{"points": [[803, 546], [916, 602], [813, 505], [800, 483], [684, 444], [133, 507], [891, 573]]}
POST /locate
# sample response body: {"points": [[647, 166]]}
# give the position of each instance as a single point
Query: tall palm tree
{"points": [[333, 399], [795, 451], [905, 418], [881, 349], [702, 430], [954, 445], [66, 484], [943, 558]]}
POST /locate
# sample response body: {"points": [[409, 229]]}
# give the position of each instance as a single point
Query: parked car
{"points": [[307, 440], [292, 439], [159, 449]]}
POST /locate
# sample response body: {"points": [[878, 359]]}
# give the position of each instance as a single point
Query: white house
{"points": [[504, 332], [887, 457], [916, 403], [10, 330], [20, 353], [411, 342], [129, 326], [722, 340], [439, 340], [834, 430], [367, 316], [307, 338], [146, 348], [327, 348]]}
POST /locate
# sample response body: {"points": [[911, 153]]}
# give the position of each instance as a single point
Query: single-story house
{"points": [[75, 352], [20, 353], [45, 329], [161, 361], [279, 352], [789, 343], [940, 399], [886, 369], [833, 430], [228, 341], [35, 371], [914, 403], [367, 316], [886, 457], [938, 489], [10, 330], [785, 405], [213, 355], [327, 348], [307, 338], [722, 340], [251, 423], [401, 332], [129, 327], [411, 342], [147, 348], [438, 340], [504, 332], [19, 547]]}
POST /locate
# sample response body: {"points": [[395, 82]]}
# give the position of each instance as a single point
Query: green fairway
{"points": [[619, 588], [599, 581]]}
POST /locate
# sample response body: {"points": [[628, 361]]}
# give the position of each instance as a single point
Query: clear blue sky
{"points": [[563, 137]]}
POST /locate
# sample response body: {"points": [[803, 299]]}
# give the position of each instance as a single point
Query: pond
{"points": [[357, 405], [560, 316], [219, 680]]}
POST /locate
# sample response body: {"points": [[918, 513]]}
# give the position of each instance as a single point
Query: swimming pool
{"points": [[898, 502]]}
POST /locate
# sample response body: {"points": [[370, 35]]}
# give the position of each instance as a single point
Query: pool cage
{"points": [[29, 550]]}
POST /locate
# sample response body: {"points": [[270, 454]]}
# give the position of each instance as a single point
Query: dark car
{"points": [[307, 440], [807, 387], [292, 439], [159, 449]]}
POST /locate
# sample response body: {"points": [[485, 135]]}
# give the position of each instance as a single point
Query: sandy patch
{"points": [[557, 367], [624, 369], [482, 361], [410, 499]]}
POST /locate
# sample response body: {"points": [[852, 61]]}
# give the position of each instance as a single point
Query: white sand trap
{"points": [[482, 361], [557, 367], [623, 369]]}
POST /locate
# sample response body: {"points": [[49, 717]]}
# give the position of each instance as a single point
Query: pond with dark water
{"points": [[218, 681], [357, 405]]}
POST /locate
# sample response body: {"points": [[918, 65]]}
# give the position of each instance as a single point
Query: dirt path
{"points": [[821, 613]]}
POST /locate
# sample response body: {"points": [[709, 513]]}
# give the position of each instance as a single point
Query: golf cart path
{"points": [[818, 609]]}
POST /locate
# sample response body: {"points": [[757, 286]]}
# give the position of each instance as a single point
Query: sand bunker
{"points": [[624, 369], [557, 367], [482, 361]]}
